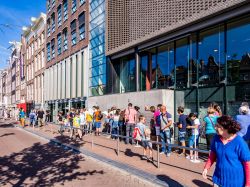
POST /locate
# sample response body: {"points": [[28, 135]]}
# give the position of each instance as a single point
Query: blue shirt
{"points": [[210, 124], [21, 114], [183, 121], [229, 169], [142, 127], [244, 121]]}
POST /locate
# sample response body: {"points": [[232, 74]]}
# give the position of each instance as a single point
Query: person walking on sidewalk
{"points": [[130, 119], [32, 117], [40, 115], [231, 154], [166, 122], [22, 117], [60, 122]]}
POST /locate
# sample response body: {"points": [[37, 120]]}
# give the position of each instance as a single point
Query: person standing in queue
{"points": [[130, 120]]}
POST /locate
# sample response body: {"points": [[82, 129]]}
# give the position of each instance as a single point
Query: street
{"points": [[26, 160]]}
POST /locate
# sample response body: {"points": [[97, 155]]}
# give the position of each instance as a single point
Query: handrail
{"points": [[121, 136]]}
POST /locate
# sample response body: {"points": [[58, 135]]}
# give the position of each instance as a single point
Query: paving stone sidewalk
{"points": [[174, 170]]}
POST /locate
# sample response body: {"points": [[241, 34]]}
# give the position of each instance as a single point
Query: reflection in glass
{"points": [[127, 75], [144, 74], [238, 51], [182, 56], [211, 56], [165, 67]]}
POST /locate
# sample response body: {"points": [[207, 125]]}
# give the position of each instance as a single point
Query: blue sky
{"points": [[16, 13]]}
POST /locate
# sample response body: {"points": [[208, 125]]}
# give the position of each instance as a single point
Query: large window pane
{"points": [[144, 73], [127, 75], [182, 57], [238, 51], [165, 66], [211, 56]]}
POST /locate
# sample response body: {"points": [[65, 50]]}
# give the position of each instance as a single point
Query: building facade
{"points": [[66, 83], [34, 60], [97, 58], [186, 53]]}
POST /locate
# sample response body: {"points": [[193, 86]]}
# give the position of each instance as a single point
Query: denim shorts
{"points": [[146, 144], [182, 136], [192, 140], [98, 124]]}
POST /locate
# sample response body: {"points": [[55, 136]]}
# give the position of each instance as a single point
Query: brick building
{"points": [[66, 55]]}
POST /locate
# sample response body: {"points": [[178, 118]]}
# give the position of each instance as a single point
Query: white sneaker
{"points": [[168, 154], [189, 158], [161, 153]]}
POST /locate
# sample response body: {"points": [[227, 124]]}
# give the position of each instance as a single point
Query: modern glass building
{"points": [[97, 58], [199, 50]]}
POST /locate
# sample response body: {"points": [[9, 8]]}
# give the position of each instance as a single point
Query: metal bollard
{"points": [[118, 146], [92, 142], [158, 152]]}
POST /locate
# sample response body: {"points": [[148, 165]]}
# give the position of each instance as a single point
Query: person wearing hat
{"points": [[244, 120]]}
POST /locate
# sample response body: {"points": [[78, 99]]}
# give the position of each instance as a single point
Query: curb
{"points": [[145, 176]]}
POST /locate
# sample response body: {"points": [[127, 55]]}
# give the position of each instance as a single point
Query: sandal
{"points": [[144, 157]]}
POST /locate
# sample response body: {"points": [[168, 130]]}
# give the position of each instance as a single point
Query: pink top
{"points": [[130, 115], [157, 113]]}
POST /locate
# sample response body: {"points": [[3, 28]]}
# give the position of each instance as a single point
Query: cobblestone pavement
{"points": [[26, 160]]}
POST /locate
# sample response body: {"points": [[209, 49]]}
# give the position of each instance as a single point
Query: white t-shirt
{"points": [[83, 118], [196, 130]]}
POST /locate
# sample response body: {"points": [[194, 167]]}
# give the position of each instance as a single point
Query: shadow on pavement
{"points": [[42, 165], [200, 183], [7, 134], [169, 181], [6, 125]]}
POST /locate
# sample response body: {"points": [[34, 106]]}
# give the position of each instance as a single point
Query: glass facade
{"points": [[212, 64], [97, 73]]}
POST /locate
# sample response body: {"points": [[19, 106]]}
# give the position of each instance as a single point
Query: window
{"points": [[165, 66], [53, 48], [82, 1], [48, 5], [53, 3], [65, 10], [48, 27], [48, 52], [59, 42], [211, 65], [81, 20], [238, 52], [182, 58], [59, 15], [53, 22], [73, 32], [73, 6], [65, 39]]}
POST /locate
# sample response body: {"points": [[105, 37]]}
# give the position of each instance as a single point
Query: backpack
{"points": [[100, 116], [89, 118], [137, 134], [170, 128]]}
